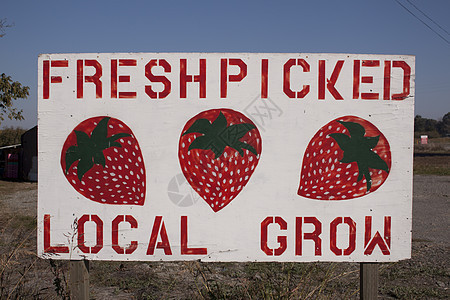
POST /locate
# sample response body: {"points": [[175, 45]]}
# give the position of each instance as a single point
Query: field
{"points": [[436, 164], [425, 276]]}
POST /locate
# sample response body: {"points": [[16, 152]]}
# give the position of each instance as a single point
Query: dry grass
{"points": [[433, 158], [24, 276], [432, 164]]}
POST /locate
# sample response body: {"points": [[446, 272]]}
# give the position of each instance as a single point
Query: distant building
{"points": [[20, 161], [29, 161], [9, 161]]}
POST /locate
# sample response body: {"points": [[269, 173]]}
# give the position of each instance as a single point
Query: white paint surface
{"points": [[233, 233]]}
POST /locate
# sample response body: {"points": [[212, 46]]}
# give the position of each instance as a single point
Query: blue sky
{"points": [[346, 26]]}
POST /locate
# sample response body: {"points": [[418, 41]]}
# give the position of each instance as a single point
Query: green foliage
{"points": [[443, 126], [3, 25], [9, 91], [11, 136], [432, 128]]}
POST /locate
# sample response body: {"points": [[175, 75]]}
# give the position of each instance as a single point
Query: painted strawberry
{"points": [[102, 160], [347, 158], [218, 151]]}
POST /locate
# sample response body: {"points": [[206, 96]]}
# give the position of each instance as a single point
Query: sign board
{"points": [[225, 156], [424, 139]]}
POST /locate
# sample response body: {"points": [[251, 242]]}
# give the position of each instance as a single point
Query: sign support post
{"points": [[79, 279], [368, 276]]}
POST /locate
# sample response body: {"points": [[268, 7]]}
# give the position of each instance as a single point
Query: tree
{"points": [[419, 123], [10, 90], [425, 126], [431, 127], [11, 136], [443, 127], [3, 25]]}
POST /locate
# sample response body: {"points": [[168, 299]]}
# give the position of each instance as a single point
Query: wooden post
{"points": [[79, 279], [368, 276]]}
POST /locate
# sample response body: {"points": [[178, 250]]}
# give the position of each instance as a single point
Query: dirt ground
{"points": [[425, 276]]}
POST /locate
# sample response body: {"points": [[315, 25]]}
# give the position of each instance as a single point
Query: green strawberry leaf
{"points": [[218, 126], [372, 141], [101, 130], [355, 129], [375, 162], [200, 126], [84, 165], [83, 140], [358, 148], [217, 135], [99, 159], [217, 148], [72, 155], [89, 149], [117, 136], [241, 145], [114, 144], [205, 143], [235, 132], [202, 142], [343, 140]]}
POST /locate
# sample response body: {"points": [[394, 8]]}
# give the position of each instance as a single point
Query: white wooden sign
{"points": [[225, 156]]}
